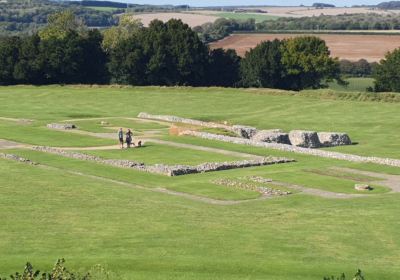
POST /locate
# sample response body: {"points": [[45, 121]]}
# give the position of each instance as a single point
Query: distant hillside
{"points": [[91, 3], [392, 5], [18, 17]]}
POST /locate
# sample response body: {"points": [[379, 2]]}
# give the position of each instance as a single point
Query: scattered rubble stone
{"points": [[244, 131], [64, 126], [259, 179], [250, 186], [363, 187], [17, 158], [332, 139]]}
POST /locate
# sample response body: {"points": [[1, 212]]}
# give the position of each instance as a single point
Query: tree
{"points": [[387, 73], [93, 69], [73, 59], [9, 56], [308, 63], [28, 69], [126, 27], [127, 63], [223, 68], [262, 66], [163, 54], [60, 25]]}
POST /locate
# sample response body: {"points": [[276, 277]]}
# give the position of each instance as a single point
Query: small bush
{"points": [[358, 276], [60, 272]]}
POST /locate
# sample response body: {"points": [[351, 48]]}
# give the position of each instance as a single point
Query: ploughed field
{"points": [[190, 19], [214, 225], [344, 46]]}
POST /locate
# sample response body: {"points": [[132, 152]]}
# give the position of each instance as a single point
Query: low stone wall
{"points": [[64, 126], [169, 170], [294, 149], [250, 186], [17, 158], [175, 119]]}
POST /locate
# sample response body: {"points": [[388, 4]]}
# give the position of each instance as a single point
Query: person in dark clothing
{"points": [[128, 138], [121, 137]]}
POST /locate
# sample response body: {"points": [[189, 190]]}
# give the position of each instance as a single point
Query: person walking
{"points": [[121, 137], [128, 138]]}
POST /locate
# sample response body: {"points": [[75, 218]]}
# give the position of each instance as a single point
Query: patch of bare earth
{"points": [[351, 47], [190, 19]]}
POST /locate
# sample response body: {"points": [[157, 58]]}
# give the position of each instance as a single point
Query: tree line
{"points": [[370, 21], [222, 28], [169, 54], [172, 54]]}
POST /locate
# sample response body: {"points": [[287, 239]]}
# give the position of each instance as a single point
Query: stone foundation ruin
{"points": [[168, 170], [299, 138], [62, 126]]}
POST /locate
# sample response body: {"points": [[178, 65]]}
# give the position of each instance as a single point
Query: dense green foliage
{"points": [[387, 74], [369, 21], [60, 272], [170, 54], [70, 59], [358, 276], [222, 27], [262, 66], [323, 5], [360, 68], [162, 54], [297, 63]]}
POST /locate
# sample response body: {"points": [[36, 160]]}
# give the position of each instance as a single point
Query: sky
{"points": [[253, 2]]}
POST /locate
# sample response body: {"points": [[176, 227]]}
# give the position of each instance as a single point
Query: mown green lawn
{"points": [[143, 235], [355, 84], [372, 125], [47, 213]]}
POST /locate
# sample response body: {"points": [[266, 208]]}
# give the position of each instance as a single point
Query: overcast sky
{"points": [[253, 2]]}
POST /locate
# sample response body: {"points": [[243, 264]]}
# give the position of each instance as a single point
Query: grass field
{"points": [[355, 84], [245, 16], [91, 213], [103, 9]]}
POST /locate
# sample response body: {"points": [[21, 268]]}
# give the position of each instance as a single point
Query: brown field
{"points": [[351, 47], [188, 18], [310, 11]]}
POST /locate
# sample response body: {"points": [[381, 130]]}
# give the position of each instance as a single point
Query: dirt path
{"points": [[204, 149], [125, 118], [157, 141], [21, 121], [318, 192], [6, 144], [390, 181]]}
